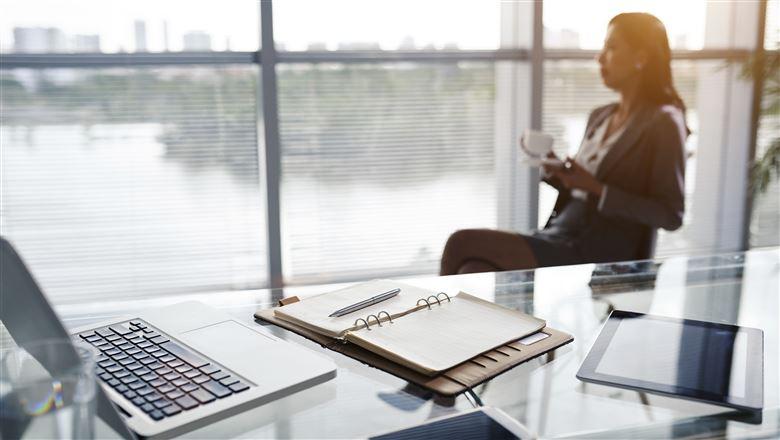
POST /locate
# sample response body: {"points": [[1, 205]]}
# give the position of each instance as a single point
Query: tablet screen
{"points": [[701, 360]]}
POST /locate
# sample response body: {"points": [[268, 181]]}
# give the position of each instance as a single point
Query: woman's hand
{"points": [[574, 176]]}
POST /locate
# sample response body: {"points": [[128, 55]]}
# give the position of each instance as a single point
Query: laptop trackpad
{"points": [[231, 344]]}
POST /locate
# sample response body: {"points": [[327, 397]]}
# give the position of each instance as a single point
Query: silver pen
{"points": [[365, 303]]}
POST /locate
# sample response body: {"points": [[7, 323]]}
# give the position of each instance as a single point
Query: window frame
{"points": [[266, 58]]}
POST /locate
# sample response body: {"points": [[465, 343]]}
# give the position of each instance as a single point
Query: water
{"points": [[102, 210]]}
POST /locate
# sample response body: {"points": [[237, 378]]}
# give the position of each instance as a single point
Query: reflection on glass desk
{"points": [[543, 394]]}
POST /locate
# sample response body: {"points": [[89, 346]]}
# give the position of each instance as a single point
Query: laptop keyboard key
{"points": [[217, 389], [230, 380], [167, 388], [238, 387], [202, 396], [171, 409], [183, 369], [180, 382], [160, 340], [186, 402], [148, 407], [121, 388], [173, 363], [163, 371], [113, 382], [173, 395], [105, 332], [138, 401], [220, 375], [188, 388], [120, 329], [129, 394], [147, 361], [128, 379], [184, 354], [153, 397], [200, 379], [162, 403], [150, 377], [192, 373], [145, 390], [157, 383], [156, 415], [210, 369]]}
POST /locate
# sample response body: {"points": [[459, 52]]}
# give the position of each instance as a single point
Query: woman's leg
{"points": [[470, 250]]}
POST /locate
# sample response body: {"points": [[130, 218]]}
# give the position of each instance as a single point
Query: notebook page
{"points": [[313, 312], [434, 340]]}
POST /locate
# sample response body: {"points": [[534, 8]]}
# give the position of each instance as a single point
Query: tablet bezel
{"points": [[754, 380]]}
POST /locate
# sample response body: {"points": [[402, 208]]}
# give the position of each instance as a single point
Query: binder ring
{"points": [[368, 318], [361, 319], [389, 318], [426, 302], [447, 296], [437, 299]]}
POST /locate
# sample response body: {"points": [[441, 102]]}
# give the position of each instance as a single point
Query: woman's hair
{"points": [[643, 31]]}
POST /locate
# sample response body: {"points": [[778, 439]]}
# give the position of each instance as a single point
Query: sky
{"points": [[469, 24]]}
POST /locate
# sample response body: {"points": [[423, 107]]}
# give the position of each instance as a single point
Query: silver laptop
{"points": [[168, 370]]}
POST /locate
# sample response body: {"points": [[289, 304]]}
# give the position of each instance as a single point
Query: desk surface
{"points": [[544, 395]]}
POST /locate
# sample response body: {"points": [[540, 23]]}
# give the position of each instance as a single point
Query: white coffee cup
{"points": [[535, 143]]}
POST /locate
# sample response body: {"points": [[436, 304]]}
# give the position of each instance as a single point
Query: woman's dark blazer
{"points": [[644, 177]]}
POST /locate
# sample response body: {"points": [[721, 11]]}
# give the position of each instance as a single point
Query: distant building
{"points": [[39, 40], [407, 44], [316, 46], [140, 36], [86, 43], [359, 46], [197, 41], [166, 48], [561, 38]]}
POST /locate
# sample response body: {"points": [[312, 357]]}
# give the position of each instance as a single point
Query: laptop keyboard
{"points": [[157, 375]]}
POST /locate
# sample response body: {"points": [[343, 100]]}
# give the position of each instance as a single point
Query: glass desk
{"points": [[543, 394]]}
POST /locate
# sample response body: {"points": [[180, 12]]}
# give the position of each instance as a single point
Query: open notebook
{"points": [[422, 330]]}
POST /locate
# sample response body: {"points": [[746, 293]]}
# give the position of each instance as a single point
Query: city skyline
{"points": [[331, 25]]}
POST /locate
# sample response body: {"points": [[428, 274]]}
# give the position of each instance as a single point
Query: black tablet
{"points": [[705, 361], [484, 423]]}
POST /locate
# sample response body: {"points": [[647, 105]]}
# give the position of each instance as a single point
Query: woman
{"points": [[626, 180]]}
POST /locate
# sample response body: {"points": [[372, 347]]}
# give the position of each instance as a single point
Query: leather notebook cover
{"points": [[447, 383]]}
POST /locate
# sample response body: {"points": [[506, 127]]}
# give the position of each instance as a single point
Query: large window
{"points": [[380, 162], [130, 181], [139, 157]]}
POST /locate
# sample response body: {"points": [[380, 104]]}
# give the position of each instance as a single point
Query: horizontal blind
{"points": [[381, 163], [573, 88], [128, 182]]}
